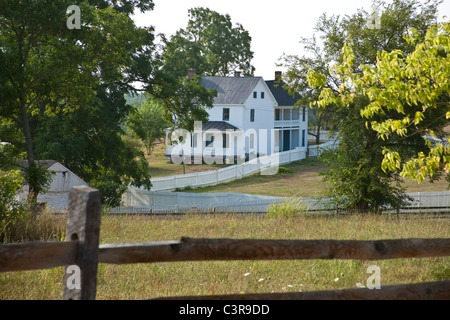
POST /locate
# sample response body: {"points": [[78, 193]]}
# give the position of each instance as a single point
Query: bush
{"points": [[283, 170], [17, 224], [289, 208], [11, 210]]}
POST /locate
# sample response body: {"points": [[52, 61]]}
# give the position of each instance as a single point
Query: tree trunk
{"points": [[33, 189], [318, 135], [362, 207]]}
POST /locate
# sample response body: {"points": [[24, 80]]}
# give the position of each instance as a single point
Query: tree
{"points": [[89, 141], [48, 69], [415, 87], [148, 122], [211, 45], [356, 178], [296, 81]]}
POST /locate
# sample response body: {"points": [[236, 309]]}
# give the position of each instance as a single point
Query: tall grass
{"points": [[288, 208], [141, 281], [42, 227]]}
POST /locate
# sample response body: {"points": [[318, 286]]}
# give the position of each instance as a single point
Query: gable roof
{"points": [[231, 90], [283, 97], [22, 163]]}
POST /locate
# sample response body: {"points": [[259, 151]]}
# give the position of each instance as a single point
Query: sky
{"points": [[275, 26]]}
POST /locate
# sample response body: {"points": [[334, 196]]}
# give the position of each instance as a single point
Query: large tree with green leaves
{"points": [[48, 69], [408, 96], [298, 68], [89, 141], [211, 45], [356, 177]]}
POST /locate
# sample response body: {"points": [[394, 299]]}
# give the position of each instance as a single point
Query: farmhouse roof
{"points": [[231, 90], [282, 95]]}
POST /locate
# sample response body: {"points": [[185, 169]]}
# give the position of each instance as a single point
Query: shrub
{"points": [[283, 170], [288, 208], [17, 224], [11, 210]]}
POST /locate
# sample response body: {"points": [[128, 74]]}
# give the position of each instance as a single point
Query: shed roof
{"points": [[218, 125], [231, 90]]}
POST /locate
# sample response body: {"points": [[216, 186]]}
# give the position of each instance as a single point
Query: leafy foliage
{"points": [[408, 98], [10, 209], [89, 142], [211, 45], [148, 122], [49, 70], [357, 179]]}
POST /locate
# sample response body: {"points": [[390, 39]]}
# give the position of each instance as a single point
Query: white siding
{"points": [[57, 196], [264, 115], [237, 114], [64, 179]]}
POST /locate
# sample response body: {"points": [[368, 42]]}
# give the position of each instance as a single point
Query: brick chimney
{"points": [[278, 75], [237, 73], [190, 74]]}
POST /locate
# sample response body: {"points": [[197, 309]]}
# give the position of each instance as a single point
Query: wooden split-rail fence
{"points": [[83, 250]]}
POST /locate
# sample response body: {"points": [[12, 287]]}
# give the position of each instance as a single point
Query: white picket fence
{"points": [[142, 201], [317, 150], [325, 136], [265, 164]]}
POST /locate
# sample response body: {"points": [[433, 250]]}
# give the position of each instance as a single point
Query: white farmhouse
{"points": [[57, 196], [261, 113]]}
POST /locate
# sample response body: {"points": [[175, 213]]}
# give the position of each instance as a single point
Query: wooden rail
{"points": [[83, 249]]}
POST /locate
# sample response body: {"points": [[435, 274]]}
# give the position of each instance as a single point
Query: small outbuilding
{"points": [[57, 196]]}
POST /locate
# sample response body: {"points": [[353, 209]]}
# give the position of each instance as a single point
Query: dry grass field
{"points": [[142, 281]]}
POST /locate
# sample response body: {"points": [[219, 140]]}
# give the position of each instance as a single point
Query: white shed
{"points": [[57, 196]]}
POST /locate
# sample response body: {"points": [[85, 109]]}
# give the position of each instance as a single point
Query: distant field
{"points": [[142, 281], [159, 167], [302, 180]]}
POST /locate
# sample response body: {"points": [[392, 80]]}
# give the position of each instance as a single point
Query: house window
{"points": [[226, 114], [277, 114], [295, 114], [255, 94], [262, 95], [252, 115], [303, 137], [286, 114], [304, 114]]}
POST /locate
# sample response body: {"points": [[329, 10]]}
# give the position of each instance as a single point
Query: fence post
{"points": [[83, 225]]}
